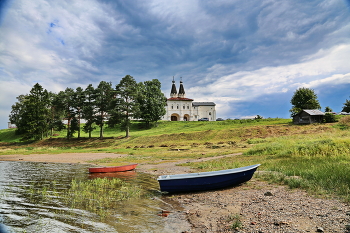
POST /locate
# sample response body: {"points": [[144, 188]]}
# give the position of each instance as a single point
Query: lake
{"points": [[23, 210]]}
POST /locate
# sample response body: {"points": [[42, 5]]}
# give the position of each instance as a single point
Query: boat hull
{"points": [[113, 169], [206, 180]]}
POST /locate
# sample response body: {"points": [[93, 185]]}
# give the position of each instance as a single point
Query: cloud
{"points": [[326, 68], [313, 70], [337, 79], [229, 52], [9, 91]]}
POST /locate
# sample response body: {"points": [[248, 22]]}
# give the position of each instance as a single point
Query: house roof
{"points": [[314, 112], [178, 98], [203, 104]]}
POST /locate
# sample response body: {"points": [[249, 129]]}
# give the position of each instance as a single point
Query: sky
{"points": [[247, 56]]}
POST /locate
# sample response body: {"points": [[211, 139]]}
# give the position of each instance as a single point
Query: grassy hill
{"points": [[176, 135]]}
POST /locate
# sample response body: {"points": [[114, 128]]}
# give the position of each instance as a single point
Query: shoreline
{"points": [[255, 206]]}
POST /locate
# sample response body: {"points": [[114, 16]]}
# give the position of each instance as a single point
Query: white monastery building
{"points": [[180, 108]]}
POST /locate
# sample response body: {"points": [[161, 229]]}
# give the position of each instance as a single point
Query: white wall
{"points": [[182, 108]]}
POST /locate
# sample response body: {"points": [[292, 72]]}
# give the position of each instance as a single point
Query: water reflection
{"points": [[128, 175], [20, 212]]}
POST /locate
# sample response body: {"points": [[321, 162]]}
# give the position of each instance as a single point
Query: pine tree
{"points": [[125, 105], [88, 109], [79, 100], [17, 113], [57, 113], [67, 99], [31, 113], [103, 96], [346, 107]]}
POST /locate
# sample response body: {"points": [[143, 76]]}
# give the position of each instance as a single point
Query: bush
{"points": [[329, 118]]}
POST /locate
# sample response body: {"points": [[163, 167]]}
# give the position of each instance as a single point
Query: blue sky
{"points": [[246, 56]]}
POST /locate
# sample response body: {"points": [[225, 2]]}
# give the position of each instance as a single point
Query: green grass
{"points": [[318, 162], [183, 135], [138, 129], [8, 135]]}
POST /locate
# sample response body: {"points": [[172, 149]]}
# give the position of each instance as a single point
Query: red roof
{"points": [[182, 99]]}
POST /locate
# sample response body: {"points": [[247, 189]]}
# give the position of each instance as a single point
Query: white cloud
{"points": [[9, 91], [326, 67], [334, 80], [53, 37]]}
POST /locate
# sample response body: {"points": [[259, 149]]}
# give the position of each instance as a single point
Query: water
{"points": [[20, 212]]}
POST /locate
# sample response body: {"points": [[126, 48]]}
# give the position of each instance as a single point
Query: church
{"points": [[180, 108]]}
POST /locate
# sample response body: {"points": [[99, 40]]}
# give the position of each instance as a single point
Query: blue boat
{"points": [[206, 180]]}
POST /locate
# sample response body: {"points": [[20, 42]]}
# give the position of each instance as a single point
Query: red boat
{"points": [[113, 169]]}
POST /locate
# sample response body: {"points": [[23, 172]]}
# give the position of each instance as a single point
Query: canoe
{"points": [[206, 180], [113, 169]]}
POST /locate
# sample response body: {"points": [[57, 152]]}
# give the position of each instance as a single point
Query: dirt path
{"points": [[254, 206]]}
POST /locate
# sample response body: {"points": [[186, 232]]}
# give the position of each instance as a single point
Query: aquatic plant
{"points": [[98, 196]]}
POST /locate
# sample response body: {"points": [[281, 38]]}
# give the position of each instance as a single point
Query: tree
{"points": [[125, 106], [346, 107], [67, 100], [39, 110], [328, 109], [151, 101], [56, 113], [31, 113], [304, 98], [17, 113], [103, 96], [79, 100], [88, 109]]}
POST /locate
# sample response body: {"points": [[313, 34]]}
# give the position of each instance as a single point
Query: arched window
{"points": [[209, 113], [188, 107], [172, 107], [184, 107], [177, 106]]}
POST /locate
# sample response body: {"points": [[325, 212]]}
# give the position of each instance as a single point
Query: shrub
{"points": [[329, 118]]}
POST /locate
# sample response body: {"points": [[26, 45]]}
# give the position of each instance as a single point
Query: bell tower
{"points": [[181, 90], [173, 92]]}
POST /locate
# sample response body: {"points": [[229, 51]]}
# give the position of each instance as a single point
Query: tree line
{"points": [[40, 112]]}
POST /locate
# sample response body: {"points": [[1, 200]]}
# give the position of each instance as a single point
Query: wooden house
{"points": [[308, 116]]}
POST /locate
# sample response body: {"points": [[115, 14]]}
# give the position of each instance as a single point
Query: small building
{"points": [[308, 116], [180, 108], [11, 126]]}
